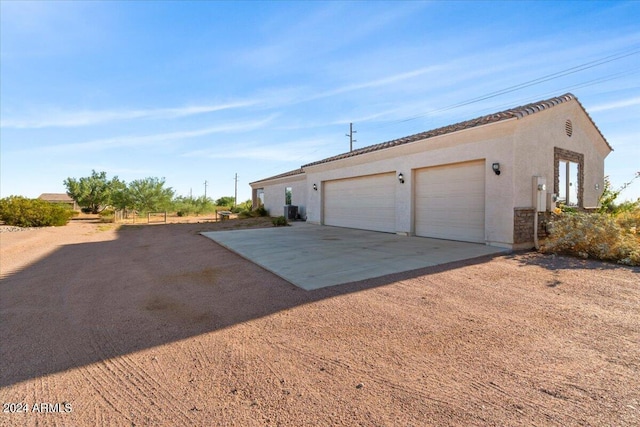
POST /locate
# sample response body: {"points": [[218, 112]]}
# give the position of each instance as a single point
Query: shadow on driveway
{"points": [[151, 286]]}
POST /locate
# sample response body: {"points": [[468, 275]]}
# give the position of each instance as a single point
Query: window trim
{"points": [[560, 154]]}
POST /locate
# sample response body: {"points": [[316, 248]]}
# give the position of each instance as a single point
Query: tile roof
{"points": [[56, 197], [512, 113], [298, 171], [517, 113]]}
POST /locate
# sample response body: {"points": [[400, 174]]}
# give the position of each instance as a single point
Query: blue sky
{"points": [[195, 91]]}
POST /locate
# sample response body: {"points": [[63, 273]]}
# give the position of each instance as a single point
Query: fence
{"points": [[133, 217], [162, 215]]}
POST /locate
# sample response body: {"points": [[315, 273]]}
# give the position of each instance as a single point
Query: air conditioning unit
{"points": [[290, 211]]}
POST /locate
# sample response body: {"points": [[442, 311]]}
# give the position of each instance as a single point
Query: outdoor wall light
{"points": [[496, 168], [401, 178], [315, 187]]}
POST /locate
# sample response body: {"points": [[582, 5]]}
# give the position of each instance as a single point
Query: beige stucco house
{"points": [[479, 181]]}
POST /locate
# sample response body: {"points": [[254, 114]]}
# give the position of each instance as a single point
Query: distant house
{"points": [[60, 198], [479, 180]]}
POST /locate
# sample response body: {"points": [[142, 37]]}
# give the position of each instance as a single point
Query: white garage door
{"points": [[366, 202], [450, 202]]}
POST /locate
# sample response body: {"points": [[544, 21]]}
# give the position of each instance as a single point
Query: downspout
{"points": [[539, 203], [536, 244]]}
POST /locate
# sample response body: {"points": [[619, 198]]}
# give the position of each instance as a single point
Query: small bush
{"points": [[107, 215], [596, 236], [22, 212], [630, 221], [280, 221], [255, 213]]}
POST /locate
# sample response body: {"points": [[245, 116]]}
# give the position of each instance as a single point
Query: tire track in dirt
{"points": [[107, 390], [501, 400], [46, 384], [423, 392], [138, 380], [547, 385], [111, 386]]}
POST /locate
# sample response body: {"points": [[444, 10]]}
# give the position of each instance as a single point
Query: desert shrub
{"points": [[608, 199], [23, 212], [107, 215], [107, 212], [185, 206], [598, 236], [226, 201], [280, 221], [630, 221], [253, 213]]}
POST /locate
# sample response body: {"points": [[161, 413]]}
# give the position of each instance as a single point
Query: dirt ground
{"points": [[157, 325]]}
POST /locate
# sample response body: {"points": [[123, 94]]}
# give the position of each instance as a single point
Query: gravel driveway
{"points": [[157, 325]]}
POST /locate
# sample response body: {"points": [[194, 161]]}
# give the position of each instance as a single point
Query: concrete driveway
{"points": [[313, 257]]}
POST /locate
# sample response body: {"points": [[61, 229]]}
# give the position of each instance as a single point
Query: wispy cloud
{"points": [[145, 140], [294, 151], [59, 118], [385, 81], [615, 105]]}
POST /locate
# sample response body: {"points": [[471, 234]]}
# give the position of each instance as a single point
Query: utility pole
{"points": [[350, 135], [205, 189], [235, 196]]}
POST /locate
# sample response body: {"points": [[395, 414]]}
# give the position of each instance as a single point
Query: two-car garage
{"points": [[448, 202], [448, 188]]}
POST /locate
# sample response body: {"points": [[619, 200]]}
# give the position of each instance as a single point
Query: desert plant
{"points": [[261, 211], [226, 201], [107, 215], [280, 221], [107, 212], [607, 202], [595, 235], [23, 212], [185, 206], [93, 191], [630, 221], [149, 194]]}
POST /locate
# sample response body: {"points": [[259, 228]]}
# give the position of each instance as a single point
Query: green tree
{"points": [[607, 203], [93, 192], [227, 201], [149, 194], [120, 195]]}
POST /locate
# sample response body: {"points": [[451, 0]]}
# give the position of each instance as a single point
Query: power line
{"points": [[572, 70], [553, 76]]}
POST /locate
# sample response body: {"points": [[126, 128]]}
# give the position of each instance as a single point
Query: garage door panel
{"points": [[366, 203], [449, 202]]}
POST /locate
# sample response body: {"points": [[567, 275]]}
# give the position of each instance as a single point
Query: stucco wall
{"points": [[535, 139], [274, 195], [523, 147], [492, 143]]}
